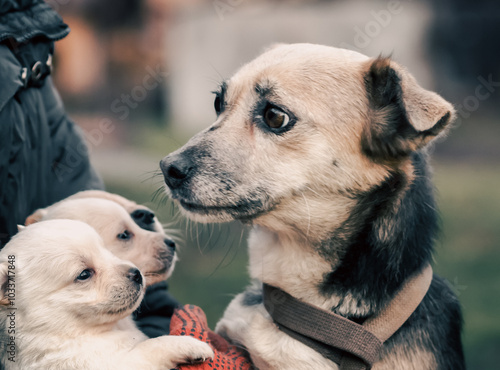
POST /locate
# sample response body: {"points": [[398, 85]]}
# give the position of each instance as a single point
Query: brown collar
{"points": [[350, 345]]}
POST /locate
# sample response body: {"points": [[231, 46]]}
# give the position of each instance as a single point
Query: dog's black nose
{"points": [[144, 218], [176, 169], [170, 243], [135, 276]]}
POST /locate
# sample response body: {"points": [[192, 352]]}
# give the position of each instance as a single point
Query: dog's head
{"points": [[299, 132], [130, 231], [58, 275]]}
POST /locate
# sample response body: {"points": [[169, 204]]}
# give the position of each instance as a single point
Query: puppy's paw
{"points": [[192, 350]]}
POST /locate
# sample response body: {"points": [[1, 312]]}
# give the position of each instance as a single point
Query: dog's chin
{"points": [[154, 277], [217, 214], [205, 215], [132, 305], [110, 312]]}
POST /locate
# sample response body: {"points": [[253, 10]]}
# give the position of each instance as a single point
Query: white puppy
{"points": [[62, 294]]}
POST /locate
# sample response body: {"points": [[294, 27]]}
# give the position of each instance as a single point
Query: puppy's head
{"points": [[142, 215], [299, 132], [59, 276], [147, 247]]}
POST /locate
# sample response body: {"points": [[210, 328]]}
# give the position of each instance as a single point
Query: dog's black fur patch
{"points": [[252, 296], [373, 269]]}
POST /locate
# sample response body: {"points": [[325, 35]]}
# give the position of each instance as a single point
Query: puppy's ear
{"points": [[404, 117], [4, 301], [37, 216], [129, 205]]}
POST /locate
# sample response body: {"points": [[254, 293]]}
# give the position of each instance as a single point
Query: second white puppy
{"points": [[130, 231], [62, 294]]}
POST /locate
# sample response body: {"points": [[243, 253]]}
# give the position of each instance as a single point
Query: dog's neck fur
{"points": [[366, 259]]}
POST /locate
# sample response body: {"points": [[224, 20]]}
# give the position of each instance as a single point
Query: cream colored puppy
{"points": [[62, 294], [130, 231]]}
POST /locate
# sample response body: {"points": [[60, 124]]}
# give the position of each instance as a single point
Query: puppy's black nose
{"points": [[170, 244], [176, 169], [144, 218], [135, 276]]}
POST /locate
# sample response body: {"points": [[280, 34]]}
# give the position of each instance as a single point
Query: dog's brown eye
{"points": [[275, 117], [126, 235], [218, 104], [85, 274]]}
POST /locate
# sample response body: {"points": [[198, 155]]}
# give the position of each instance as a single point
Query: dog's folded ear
{"points": [[4, 301], [403, 117], [36, 216]]}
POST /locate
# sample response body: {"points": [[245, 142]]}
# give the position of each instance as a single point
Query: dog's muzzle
{"points": [[166, 255], [176, 170]]}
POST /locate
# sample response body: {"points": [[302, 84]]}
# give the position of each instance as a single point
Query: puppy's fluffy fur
{"points": [[322, 151], [69, 294]]}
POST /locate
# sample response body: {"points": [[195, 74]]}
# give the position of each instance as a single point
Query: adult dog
{"points": [[322, 151]]}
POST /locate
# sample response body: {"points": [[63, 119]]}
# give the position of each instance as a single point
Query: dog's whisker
{"points": [[211, 229], [198, 237], [221, 262], [158, 192], [221, 78], [151, 175], [242, 233]]}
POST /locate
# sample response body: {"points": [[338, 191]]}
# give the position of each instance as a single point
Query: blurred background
{"points": [[137, 76]]}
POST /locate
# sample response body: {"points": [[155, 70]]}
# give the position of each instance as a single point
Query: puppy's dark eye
{"points": [[126, 235], [85, 275], [275, 117], [218, 104]]}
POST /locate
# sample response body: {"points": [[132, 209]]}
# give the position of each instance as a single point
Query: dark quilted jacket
{"points": [[42, 156]]}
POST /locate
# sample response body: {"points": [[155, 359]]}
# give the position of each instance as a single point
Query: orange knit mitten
{"points": [[191, 320]]}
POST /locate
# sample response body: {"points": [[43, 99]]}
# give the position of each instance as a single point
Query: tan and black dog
{"points": [[323, 152]]}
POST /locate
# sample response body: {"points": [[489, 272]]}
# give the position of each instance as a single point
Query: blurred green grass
{"points": [[468, 253], [213, 269]]}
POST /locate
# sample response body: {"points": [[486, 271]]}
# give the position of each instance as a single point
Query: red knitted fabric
{"points": [[191, 320]]}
